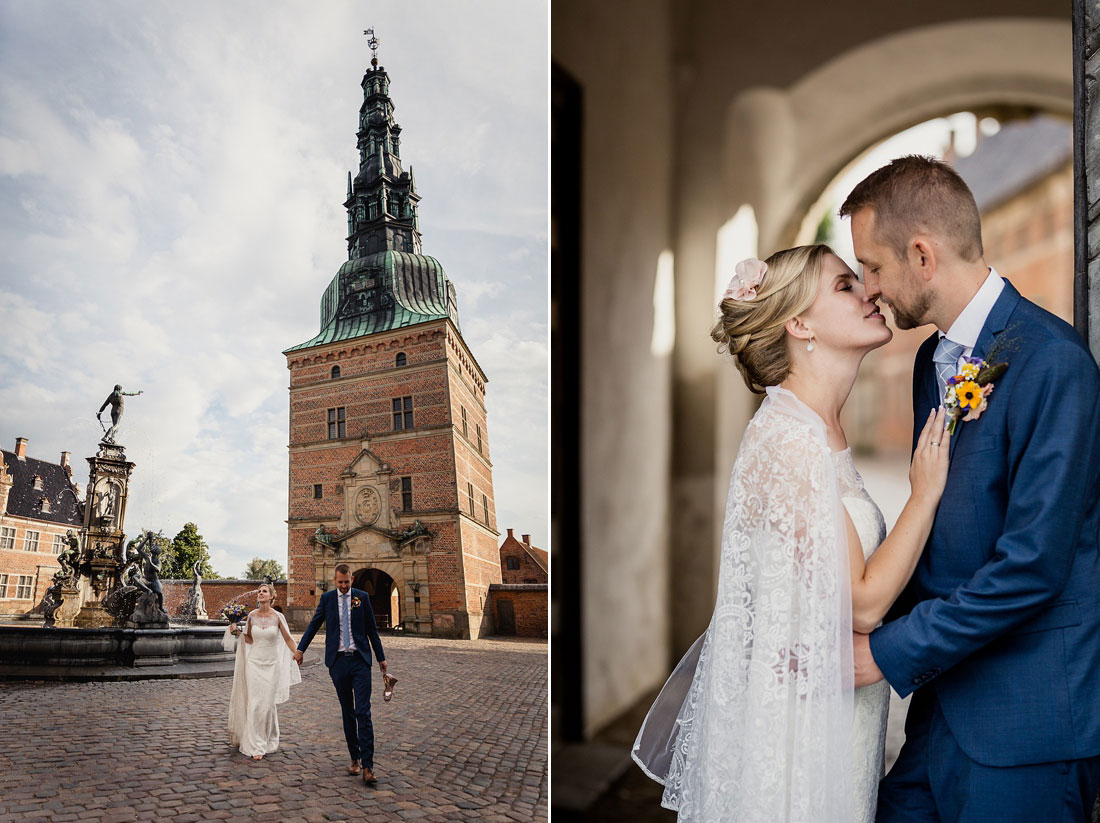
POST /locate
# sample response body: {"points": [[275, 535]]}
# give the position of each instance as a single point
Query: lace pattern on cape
{"points": [[755, 723]]}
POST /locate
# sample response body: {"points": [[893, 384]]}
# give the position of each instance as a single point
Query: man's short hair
{"points": [[343, 568], [914, 194]]}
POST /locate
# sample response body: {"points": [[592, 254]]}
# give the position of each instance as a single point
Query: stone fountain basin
{"points": [[55, 653]]}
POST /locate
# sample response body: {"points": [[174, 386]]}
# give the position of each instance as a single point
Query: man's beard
{"points": [[915, 315]]}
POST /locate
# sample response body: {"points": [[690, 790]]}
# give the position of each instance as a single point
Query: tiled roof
{"points": [[25, 500], [1021, 153], [383, 291], [539, 556]]}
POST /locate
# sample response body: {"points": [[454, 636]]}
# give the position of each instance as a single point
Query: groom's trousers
{"points": [[351, 677], [934, 780]]}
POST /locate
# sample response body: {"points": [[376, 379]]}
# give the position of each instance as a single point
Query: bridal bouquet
{"points": [[235, 612]]}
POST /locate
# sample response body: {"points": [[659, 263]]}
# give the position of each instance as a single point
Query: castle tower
{"points": [[389, 446]]}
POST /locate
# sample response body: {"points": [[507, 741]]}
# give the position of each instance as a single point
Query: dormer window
{"points": [[401, 358], [37, 482], [335, 372], [45, 506]]}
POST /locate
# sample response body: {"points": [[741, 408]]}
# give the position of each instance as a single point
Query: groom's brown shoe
{"points": [[368, 777], [354, 768]]}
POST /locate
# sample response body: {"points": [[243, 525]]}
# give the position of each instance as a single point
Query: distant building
{"points": [[520, 603], [38, 503], [520, 562]]}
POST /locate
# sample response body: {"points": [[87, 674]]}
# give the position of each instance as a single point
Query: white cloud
{"points": [[171, 180]]}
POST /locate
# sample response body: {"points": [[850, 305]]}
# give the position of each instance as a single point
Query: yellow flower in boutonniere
{"points": [[356, 602], [968, 391], [969, 394]]}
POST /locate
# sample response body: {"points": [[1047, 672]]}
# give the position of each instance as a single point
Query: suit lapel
{"points": [[995, 323]]}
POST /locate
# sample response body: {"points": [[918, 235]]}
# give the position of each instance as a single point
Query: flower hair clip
{"points": [[747, 275]]}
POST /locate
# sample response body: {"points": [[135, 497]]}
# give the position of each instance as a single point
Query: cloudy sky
{"points": [[171, 180]]}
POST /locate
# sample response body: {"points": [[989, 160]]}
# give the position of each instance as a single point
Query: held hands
{"points": [[867, 671], [298, 656], [928, 472]]}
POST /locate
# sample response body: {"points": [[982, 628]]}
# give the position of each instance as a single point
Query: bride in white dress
{"points": [[760, 721], [263, 673]]}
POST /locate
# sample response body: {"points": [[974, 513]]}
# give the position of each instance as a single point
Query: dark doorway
{"points": [[379, 586], [506, 617]]}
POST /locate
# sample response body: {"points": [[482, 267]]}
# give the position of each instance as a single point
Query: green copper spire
{"points": [[386, 282]]}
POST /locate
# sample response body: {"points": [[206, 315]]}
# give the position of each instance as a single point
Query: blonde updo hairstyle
{"points": [[754, 331]]}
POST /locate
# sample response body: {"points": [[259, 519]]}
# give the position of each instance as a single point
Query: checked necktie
{"points": [[946, 359], [345, 620]]}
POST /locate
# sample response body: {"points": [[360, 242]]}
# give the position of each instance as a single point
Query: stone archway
{"points": [[381, 588]]}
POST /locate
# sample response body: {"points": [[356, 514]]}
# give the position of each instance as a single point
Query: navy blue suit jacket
{"points": [[1002, 615], [364, 629]]}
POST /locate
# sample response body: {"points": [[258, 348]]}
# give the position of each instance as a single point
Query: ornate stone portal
{"points": [[372, 534]]}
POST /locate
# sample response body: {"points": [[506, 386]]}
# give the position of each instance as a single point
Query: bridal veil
{"points": [[755, 722]]}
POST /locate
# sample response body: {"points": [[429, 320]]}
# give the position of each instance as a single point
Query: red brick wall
{"points": [[38, 565], [217, 593], [442, 378], [529, 606]]}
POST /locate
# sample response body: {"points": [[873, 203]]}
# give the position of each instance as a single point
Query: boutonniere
{"points": [[967, 393], [356, 602]]}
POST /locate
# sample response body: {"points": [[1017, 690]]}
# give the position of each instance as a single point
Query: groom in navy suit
{"points": [[997, 635], [350, 631]]}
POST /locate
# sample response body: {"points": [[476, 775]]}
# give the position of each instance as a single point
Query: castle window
{"points": [[23, 587], [58, 544], [7, 538], [470, 491], [316, 491], [402, 413], [37, 482], [401, 360], [406, 494], [335, 372], [478, 427], [336, 421], [485, 508], [30, 542], [513, 563], [3, 585], [465, 431], [44, 506]]}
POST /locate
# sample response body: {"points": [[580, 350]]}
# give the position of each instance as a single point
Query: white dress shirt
{"points": [[968, 325]]}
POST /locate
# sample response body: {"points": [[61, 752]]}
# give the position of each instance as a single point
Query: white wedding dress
{"points": [[752, 724], [263, 673], [872, 702]]}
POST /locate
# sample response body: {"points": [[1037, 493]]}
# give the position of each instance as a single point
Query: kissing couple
{"points": [[983, 602]]}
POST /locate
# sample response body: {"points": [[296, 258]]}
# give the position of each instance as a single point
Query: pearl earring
{"points": [[810, 344]]}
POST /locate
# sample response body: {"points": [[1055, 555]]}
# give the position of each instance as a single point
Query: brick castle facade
{"points": [[38, 504], [389, 446]]}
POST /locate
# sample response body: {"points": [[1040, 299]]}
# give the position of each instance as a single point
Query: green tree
{"points": [[258, 569], [178, 561]]}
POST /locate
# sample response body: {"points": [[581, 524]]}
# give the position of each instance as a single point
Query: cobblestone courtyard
{"points": [[463, 739]]}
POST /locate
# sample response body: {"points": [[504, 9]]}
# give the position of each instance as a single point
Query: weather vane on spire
{"points": [[373, 42]]}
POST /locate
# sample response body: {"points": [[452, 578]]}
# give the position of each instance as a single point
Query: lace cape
{"points": [[755, 722], [287, 675]]}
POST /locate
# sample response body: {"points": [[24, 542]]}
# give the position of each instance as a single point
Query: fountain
{"points": [[105, 609]]}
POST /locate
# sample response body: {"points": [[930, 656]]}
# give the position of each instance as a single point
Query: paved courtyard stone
{"points": [[464, 738]]}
